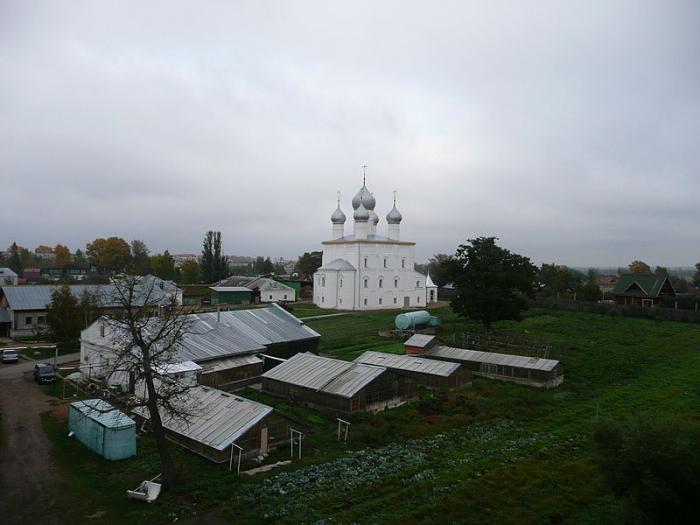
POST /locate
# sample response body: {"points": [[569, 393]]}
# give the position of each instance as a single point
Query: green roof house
{"points": [[642, 289]]}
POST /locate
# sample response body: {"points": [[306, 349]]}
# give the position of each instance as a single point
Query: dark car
{"points": [[44, 373]]}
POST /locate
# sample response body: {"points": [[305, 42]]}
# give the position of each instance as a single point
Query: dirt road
{"points": [[27, 489]]}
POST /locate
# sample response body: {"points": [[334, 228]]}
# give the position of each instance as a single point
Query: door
{"points": [[263, 440], [406, 301]]}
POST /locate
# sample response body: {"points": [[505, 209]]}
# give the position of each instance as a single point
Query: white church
{"points": [[367, 271]]}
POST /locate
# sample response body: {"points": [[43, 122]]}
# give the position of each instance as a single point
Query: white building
{"points": [[364, 270]]}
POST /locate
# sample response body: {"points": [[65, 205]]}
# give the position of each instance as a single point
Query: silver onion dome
{"points": [[365, 197], [361, 214], [338, 216], [394, 216]]}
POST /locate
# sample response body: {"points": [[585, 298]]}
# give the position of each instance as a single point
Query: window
{"points": [[323, 281], [365, 262], [396, 283], [366, 282], [403, 263], [323, 299], [340, 301], [384, 262], [394, 300], [380, 300], [41, 319], [365, 302], [341, 283], [381, 282], [270, 297], [285, 296], [418, 299], [28, 320], [417, 284]]}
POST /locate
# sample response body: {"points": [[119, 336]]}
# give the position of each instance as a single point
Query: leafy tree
{"points": [[15, 262], [696, 277], [279, 268], [589, 291], [189, 272], [639, 267], [27, 259], [442, 268], [140, 259], [491, 282], [656, 463], [80, 259], [214, 266], [63, 316], [557, 279], [112, 255], [163, 266], [660, 270], [63, 257], [307, 264]]}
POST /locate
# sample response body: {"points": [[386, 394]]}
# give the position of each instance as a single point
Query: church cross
{"points": [[364, 173]]}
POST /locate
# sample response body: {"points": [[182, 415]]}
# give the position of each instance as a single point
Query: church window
{"points": [[270, 297], [394, 300], [366, 282], [340, 301], [323, 281], [417, 284], [403, 263], [365, 302], [365, 262], [381, 282], [418, 299], [341, 283], [396, 283], [285, 296], [380, 300], [323, 299], [384, 262]]}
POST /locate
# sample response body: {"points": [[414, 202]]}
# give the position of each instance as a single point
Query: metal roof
{"points": [[517, 361], [265, 284], [419, 340], [409, 363], [38, 296], [230, 289], [178, 368], [337, 265], [103, 413], [324, 374], [7, 272], [215, 418], [236, 332], [4, 315], [230, 362]]}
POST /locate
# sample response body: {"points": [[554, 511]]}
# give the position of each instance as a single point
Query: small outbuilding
{"points": [[103, 429], [429, 373], [533, 371], [419, 343], [231, 295], [217, 424], [337, 386], [231, 371]]}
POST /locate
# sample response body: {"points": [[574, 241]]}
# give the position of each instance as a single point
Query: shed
{"points": [[231, 295], [231, 370], [103, 429], [337, 386], [215, 420], [419, 343], [532, 371], [429, 373]]}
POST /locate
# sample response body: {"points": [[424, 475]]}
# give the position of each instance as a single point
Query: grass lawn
{"points": [[495, 452]]}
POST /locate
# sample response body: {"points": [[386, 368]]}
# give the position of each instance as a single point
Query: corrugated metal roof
{"points": [[236, 332], [518, 361], [216, 419], [38, 296], [7, 272], [230, 362], [265, 284], [178, 368], [419, 340], [230, 289], [409, 363], [103, 413], [324, 374], [4, 315]]}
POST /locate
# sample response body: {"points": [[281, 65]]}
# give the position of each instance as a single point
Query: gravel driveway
{"points": [[27, 489]]}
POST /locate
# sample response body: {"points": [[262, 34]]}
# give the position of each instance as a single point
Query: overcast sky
{"points": [[570, 130]]}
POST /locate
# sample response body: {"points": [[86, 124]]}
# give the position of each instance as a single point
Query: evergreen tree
{"points": [[63, 316], [15, 262]]}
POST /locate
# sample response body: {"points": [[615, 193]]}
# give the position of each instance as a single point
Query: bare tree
{"points": [[146, 331]]}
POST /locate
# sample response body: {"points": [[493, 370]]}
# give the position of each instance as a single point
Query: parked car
{"points": [[44, 373], [9, 355]]}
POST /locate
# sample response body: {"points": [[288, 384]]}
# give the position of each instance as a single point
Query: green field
{"points": [[495, 452]]}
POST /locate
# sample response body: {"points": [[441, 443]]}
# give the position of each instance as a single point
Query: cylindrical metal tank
{"points": [[410, 320]]}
